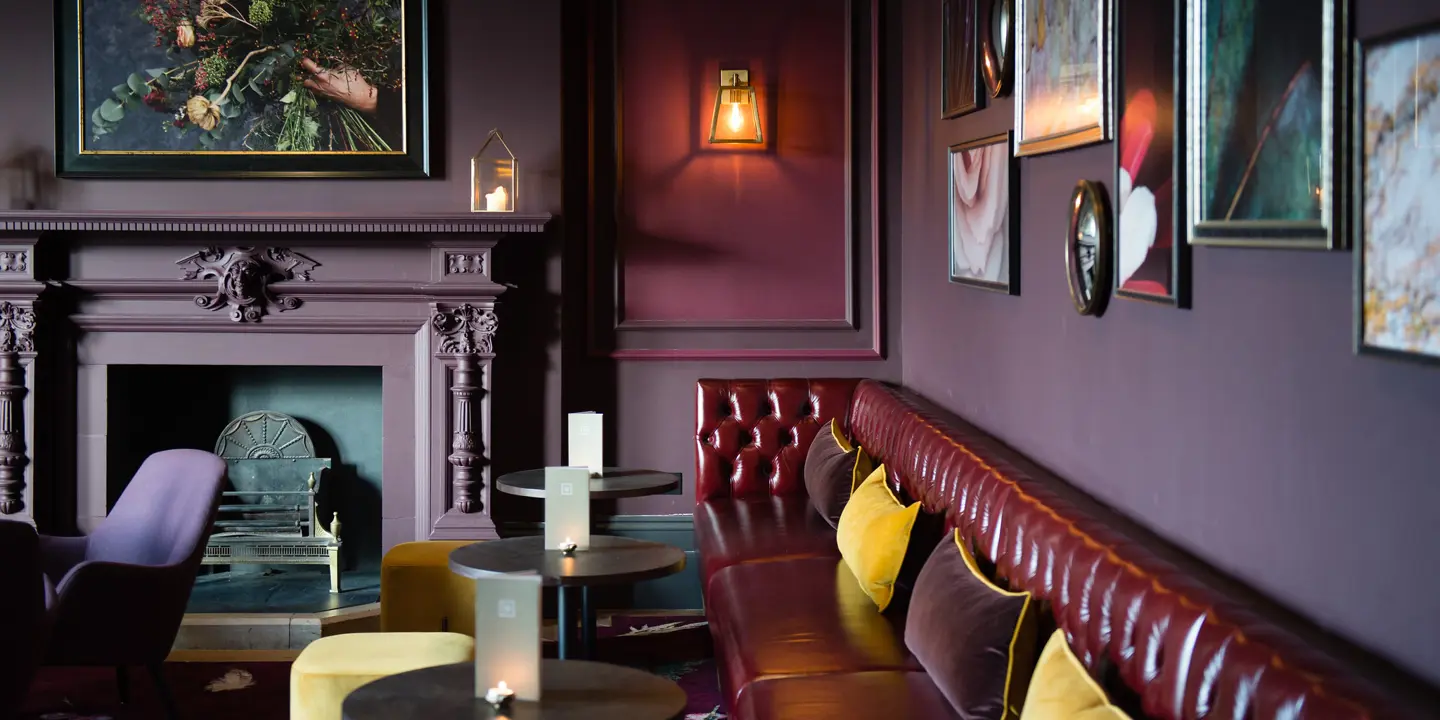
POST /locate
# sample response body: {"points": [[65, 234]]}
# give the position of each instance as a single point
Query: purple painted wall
{"points": [[1245, 429]]}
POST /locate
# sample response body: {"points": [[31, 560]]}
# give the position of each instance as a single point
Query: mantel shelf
{"points": [[21, 221]]}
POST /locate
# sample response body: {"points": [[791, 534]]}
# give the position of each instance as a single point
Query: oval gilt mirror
{"points": [[1088, 261], [997, 38]]}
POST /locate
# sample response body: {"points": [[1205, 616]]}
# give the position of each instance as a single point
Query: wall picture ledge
{"points": [[17, 221]]}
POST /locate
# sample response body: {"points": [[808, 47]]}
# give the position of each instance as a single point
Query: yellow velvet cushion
{"points": [[864, 465], [840, 438], [1061, 689], [419, 593], [873, 535], [332, 667]]}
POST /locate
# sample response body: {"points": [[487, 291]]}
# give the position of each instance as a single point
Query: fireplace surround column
{"points": [[19, 293], [467, 344]]}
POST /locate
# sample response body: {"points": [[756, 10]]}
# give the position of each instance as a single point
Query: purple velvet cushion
{"points": [[832, 469], [976, 640]]}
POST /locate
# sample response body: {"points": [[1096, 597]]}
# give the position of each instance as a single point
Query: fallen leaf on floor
{"points": [[675, 671], [661, 629], [235, 679]]}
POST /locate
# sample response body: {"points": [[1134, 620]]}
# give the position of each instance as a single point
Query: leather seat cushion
{"points": [[893, 695], [729, 532], [799, 617]]}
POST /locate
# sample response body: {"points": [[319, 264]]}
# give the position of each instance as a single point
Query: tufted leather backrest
{"points": [[751, 436], [1191, 643]]}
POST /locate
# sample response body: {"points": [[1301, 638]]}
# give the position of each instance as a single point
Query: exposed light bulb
{"points": [[737, 121]]}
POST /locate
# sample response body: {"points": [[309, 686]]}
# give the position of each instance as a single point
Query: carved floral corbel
{"points": [[17, 340], [242, 277], [467, 334]]}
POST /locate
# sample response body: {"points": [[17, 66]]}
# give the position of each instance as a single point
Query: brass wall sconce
{"points": [[736, 119]]}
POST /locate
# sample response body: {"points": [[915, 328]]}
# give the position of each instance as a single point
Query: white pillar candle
{"points": [[497, 201]]}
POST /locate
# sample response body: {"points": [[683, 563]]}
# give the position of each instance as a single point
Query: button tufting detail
{"points": [[787, 414]]}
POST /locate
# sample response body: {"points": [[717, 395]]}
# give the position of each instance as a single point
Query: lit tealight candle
{"points": [[499, 696], [568, 546], [497, 201]]}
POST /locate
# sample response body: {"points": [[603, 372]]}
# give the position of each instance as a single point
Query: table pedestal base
{"points": [[576, 645]]}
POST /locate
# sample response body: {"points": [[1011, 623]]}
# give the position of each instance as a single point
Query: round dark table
{"points": [[608, 561], [570, 690], [613, 483]]}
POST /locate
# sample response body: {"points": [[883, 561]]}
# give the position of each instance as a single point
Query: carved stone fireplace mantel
{"points": [[414, 295]]}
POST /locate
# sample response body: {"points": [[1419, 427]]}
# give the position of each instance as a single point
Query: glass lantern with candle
{"points": [[737, 114], [494, 176]]}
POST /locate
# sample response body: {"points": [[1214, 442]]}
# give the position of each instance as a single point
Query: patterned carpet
{"points": [[677, 648]]}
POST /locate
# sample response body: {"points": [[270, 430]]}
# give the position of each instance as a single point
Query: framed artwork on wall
{"points": [[984, 214], [959, 79], [1152, 259], [1398, 200], [1266, 123], [1088, 260], [1063, 77], [997, 46], [242, 88]]}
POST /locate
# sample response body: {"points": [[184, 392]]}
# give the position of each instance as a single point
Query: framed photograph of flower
{"points": [[242, 88], [984, 190], [959, 76], [1152, 259], [1266, 123], [1398, 172], [1063, 94]]}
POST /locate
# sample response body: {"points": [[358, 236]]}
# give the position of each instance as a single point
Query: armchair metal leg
{"points": [[122, 683], [157, 673]]}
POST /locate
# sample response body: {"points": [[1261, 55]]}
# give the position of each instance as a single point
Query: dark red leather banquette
{"points": [[1182, 640]]}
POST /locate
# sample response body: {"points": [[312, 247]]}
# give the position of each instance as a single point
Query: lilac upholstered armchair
{"points": [[117, 596], [22, 613]]}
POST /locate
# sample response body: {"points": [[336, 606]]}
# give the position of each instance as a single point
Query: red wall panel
{"points": [[734, 234]]}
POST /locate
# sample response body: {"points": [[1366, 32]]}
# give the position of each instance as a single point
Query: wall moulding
{"points": [[858, 335], [354, 291], [18, 221]]}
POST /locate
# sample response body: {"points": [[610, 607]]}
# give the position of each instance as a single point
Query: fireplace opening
{"points": [[267, 525]]}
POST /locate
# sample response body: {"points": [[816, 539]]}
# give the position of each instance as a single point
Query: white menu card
{"points": [[587, 441], [567, 507], [507, 619]]}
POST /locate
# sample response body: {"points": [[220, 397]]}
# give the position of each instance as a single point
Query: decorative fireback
{"points": [[264, 434], [269, 514]]}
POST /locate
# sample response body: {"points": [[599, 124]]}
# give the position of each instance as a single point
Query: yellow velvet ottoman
{"points": [[419, 593], [332, 667]]}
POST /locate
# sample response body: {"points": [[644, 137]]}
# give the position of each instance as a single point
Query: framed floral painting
{"points": [[242, 88], [984, 215], [1152, 259], [1398, 198], [1267, 92], [1063, 93]]}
